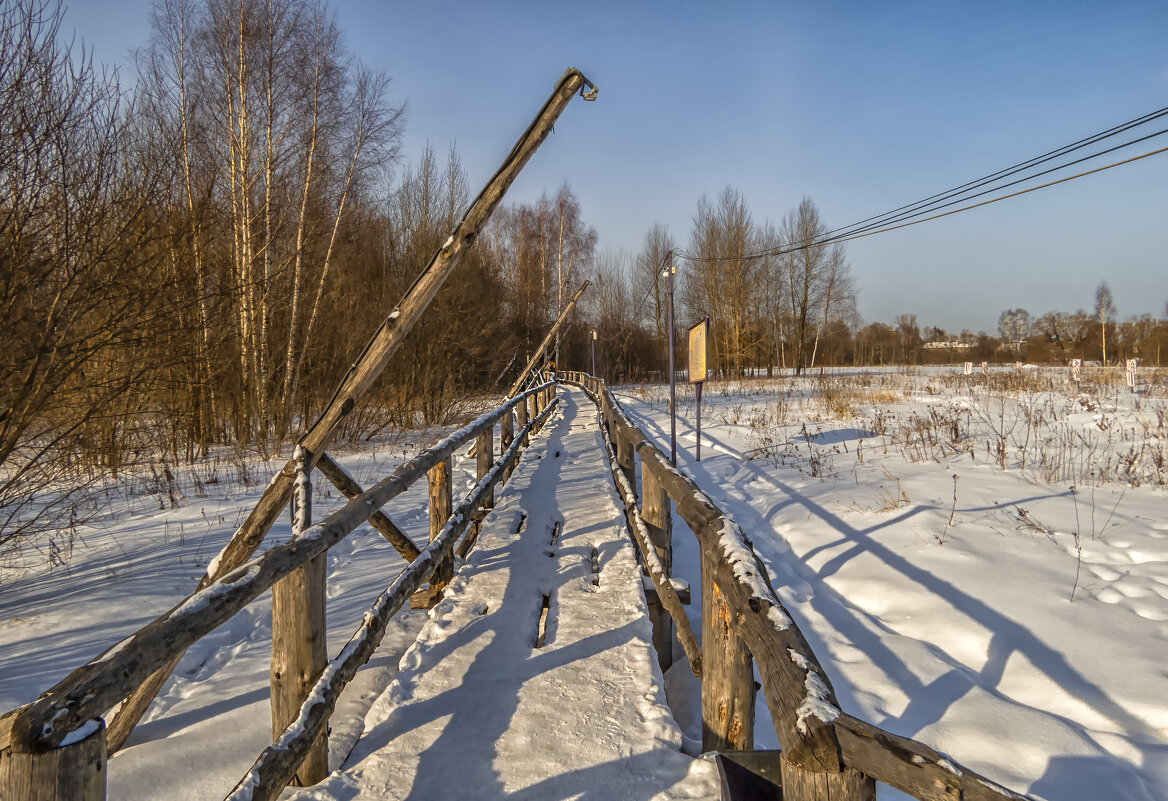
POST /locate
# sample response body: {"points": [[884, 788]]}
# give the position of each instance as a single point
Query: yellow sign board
{"points": [[697, 351]]}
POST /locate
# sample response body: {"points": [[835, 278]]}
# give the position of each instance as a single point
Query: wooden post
{"points": [[299, 652], [727, 669], [74, 772], [485, 460], [655, 511], [506, 437], [800, 784], [521, 412], [441, 505], [625, 455]]}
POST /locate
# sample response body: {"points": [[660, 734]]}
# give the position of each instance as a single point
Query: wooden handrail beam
{"points": [[278, 763], [93, 688]]}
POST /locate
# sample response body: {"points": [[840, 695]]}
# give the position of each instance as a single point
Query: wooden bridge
{"points": [[559, 576], [546, 621]]}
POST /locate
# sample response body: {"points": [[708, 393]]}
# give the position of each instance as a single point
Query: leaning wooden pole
{"points": [[369, 365], [534, 360]]}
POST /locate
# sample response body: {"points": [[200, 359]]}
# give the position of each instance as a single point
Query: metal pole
{"points": [[669, 272], [593, 351]]}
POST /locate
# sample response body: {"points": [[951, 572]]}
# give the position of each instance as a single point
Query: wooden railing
{"points": [[826, 753], [55, 747]]}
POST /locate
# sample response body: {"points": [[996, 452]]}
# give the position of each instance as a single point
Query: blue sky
{"points": [[862, 106]]}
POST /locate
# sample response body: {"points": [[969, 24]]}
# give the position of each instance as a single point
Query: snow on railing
{"points": [[826, 753], [63, 718]]}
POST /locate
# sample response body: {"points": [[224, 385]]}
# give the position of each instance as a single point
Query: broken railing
{"points": [[825, 753], [55, 747]]}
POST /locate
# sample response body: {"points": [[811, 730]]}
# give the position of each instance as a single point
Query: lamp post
{"points": [[593, 351], [668, 274]]}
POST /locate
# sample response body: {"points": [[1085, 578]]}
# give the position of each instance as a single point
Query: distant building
{"points": [[955, 344]]}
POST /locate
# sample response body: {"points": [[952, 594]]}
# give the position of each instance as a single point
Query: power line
{"points": [[849, 238], [923, 209]]}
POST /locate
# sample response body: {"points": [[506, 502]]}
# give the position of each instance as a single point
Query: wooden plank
{"points": [[913, 767], [727, 668], [299, 648], [70, 773], [379, 520], [275, 767], [92, 689], [386, 340]]}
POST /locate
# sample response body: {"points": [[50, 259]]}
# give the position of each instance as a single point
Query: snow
{"points": [[476, 710], [883, 505], [962, 636]]}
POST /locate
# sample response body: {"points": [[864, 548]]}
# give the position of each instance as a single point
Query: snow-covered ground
{"points": [[981, 564], [1013, 617], [147, 551]]}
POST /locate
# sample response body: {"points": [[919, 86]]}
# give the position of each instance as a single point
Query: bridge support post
{"points": [[74, 772], [485, 460], [441, 506], [299, 649], [521, 421], [506, 437], [656, 513], [727, 667]]}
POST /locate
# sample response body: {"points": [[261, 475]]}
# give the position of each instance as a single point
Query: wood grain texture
{"points": [[72, 773]]}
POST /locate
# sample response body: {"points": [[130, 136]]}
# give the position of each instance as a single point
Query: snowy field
{"points": [[145, 551], [980, 563]]}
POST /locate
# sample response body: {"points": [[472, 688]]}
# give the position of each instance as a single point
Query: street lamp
{"points": [[667, 273], [593, 351]]}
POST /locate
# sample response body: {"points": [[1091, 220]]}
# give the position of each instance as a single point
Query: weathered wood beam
{"points": [[90, 690], [369, 365], [656, 569], [913, 767], [381, 523], [276, 766], [299, 636], [537, 356]]}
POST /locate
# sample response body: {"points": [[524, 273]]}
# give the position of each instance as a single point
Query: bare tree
{"points": [[1104, 310], [647, 280], [79, 262], [815, 276], [1014, 325]]}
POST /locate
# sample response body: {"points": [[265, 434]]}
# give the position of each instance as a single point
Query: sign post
{"points": [[1076, 370], [698, 336], [1131, 375], [668, 274]]}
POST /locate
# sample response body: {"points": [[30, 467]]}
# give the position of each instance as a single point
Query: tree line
{"points": [[195, 260]]}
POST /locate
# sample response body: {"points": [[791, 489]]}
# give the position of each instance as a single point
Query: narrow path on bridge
{"points": [[500, 700]]}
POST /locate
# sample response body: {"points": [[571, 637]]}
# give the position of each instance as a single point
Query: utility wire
{"points": [[1013, 170], [848, 238], [906, 215]]}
